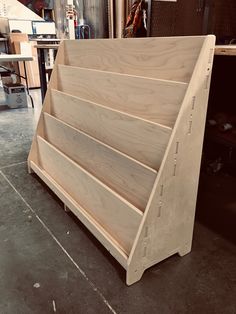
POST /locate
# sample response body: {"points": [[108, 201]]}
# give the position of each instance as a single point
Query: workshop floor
{"points": [[50, 263]]}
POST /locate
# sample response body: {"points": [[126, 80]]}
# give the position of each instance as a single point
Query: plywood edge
{"points": [[144, 39], [33, 154], [109, 243], [167, 224], [60, 57]]}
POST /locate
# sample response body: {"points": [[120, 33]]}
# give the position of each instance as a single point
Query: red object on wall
{"points": [[35, 5]]}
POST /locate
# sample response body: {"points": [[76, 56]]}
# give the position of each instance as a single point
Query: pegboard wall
{"points": [[187, 17], [3, 9], [223, 20], [176, 18]]}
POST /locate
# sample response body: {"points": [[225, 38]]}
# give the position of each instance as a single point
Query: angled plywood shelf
{"points": [[119, 141]]}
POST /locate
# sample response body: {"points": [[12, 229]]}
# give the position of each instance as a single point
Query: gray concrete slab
{"points": [[194, 283], [55, 250], [16, 131], [36, 276]]}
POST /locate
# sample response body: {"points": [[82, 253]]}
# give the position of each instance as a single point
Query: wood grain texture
{"points": [[14, 58], [132, 112], [130, 179], [155, 100], [167, 225], [118, 217], [142, 140], [170, 58], [225, 50], [33, 154], [105, 238]]}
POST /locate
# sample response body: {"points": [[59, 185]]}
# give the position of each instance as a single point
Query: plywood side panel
{"points": [[33, 154], [170, 58], [167, 225], [155, 100], [118, 217], [124, 175], [109, 243], [142, 140]]}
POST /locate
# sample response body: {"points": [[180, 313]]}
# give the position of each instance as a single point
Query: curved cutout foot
{"points": [[133, 276], [185, 250]]}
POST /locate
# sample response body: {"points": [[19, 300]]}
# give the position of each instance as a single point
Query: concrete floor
{"points": [[50, 263]]}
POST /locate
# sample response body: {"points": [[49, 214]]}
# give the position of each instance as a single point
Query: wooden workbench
{"points": [[225, 50], [14, 58], [18, 58]]}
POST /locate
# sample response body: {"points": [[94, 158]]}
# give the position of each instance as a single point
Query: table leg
{"points": [[27, 85], [42, 72], [6, 47]]}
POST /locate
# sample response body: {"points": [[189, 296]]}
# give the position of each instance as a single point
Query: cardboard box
{"points": [[16, 96]]}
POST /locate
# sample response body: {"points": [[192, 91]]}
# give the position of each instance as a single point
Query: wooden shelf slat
{"points": [[100, 233], [170, 59], [155, 100], [142, 140], [116, 215], [129, 178]]}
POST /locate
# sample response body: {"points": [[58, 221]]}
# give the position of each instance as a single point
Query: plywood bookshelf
{"points": [[119, 141]]}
